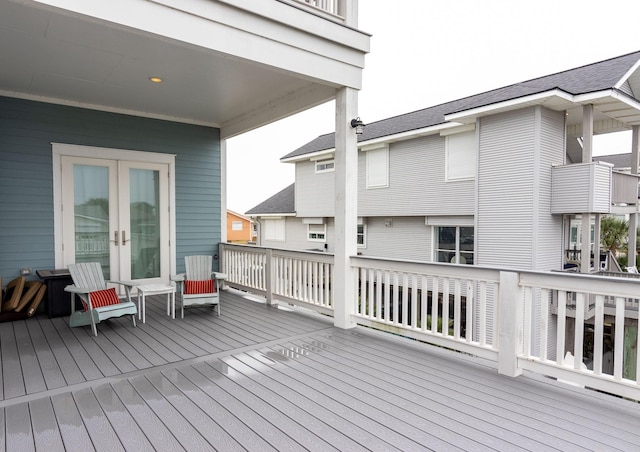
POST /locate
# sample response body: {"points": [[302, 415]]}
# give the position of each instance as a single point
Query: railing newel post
{"points": [[510, 307], [269, 271]]}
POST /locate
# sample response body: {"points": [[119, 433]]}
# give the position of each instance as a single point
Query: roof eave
{"points": [[556, 98]]}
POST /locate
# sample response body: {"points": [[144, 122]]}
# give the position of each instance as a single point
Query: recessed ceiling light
{"points": [[155, 79]]}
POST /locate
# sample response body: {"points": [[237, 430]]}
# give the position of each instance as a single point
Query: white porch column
{"points": [[633, 217], [346, 211], [587, 156]]}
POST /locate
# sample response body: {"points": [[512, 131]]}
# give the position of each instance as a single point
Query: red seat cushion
{"points": [[101, 298], [197, 287]]}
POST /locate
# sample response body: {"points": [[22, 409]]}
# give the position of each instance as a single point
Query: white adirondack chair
{"points": [[199, 285], [100, 302]]}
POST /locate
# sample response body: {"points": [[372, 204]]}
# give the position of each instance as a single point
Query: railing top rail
{"points": [[582, 283], [317, 256]]}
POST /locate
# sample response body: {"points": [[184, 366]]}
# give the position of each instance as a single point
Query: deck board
{"points": [[45, 431], [260, 378]]}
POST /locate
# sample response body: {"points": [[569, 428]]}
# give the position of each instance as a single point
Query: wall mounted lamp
{"points": [[358, 125]]}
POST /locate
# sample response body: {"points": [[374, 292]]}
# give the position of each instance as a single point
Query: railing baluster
{"points": [[434, 304], [468, 327], [579, 331], [618, 364], [482, 308], [598, 335]]}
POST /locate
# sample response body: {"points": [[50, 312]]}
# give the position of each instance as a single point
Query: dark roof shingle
{"points": [[593, 77], [283, 202]]}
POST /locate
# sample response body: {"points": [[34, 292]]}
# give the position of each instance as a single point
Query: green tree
{"points": [[613, 234]]}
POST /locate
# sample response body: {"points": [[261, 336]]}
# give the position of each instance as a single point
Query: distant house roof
{"points": [[592, 78], [618, 161], [282, 203], [239, 215]]}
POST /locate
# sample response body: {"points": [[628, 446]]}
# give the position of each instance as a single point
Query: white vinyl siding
{"points": [[416, 183], [315, 192], [274, 229], [378, 168], [515, 226], [461, 156]]}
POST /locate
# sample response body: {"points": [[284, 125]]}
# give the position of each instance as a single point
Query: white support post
{"points": [[510, 307], [633, 217], [587, 157], [585, 246], [346, 218]]}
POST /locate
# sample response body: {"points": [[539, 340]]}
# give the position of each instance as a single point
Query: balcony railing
{"points": [[522, 320], [624, 188], [329, 6]]}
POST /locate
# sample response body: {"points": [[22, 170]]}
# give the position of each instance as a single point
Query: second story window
{"points": [[362, 236], [461, 156], [316, 232], [378, 167], [325, 166]]}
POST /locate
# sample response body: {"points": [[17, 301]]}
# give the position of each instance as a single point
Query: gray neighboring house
{"points": [[497, 179]]}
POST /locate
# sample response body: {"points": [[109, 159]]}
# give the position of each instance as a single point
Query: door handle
{"points": [[124, 238], [115, 240]]}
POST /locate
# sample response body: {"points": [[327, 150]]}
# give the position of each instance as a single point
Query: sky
{"points": [[427, 52]]}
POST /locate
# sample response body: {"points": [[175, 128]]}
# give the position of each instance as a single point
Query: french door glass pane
{"points": [[91, 215], [145, 223]]}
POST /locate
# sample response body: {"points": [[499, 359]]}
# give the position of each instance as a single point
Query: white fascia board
{"points": [[467, 116], [273, 216], [617, 95], [378, 142], [318, 155], [626, 76]]}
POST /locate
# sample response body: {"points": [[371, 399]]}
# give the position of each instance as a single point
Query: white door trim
{"points": [[60, 149]]}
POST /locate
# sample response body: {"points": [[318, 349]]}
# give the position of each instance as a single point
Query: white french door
{"points": [[116, 212]]}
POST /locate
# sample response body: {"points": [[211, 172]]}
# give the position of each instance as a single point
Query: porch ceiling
{"points": [[52, 55]]}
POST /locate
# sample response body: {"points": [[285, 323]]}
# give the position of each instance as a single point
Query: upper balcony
{"points": [[592, 188], [232, 64]]}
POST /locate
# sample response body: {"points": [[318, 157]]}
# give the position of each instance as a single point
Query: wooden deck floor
{"points": [[259, 378]]}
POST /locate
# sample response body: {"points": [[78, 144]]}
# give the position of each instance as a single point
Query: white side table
{"points": [[156, 289]]}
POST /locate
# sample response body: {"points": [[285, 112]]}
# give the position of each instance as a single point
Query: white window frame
{"points": [[274, 229], [317, 233], [362, 234], [460, 156], [457, 252], [325, 166], [377, 167], [237, 225]]}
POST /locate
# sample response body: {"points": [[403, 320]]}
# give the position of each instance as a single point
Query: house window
{"points": [[274, 229], [236, 225], [461, 156], [362, 236], [378, 167], [316, 232], [325, 166], [454, 244]]}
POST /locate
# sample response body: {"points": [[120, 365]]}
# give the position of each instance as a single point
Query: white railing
{"points": [[329, 6], [578, 328], [299, 278]]}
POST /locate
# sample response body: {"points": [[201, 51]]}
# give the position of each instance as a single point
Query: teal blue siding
{"points": [[28, 128]]}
